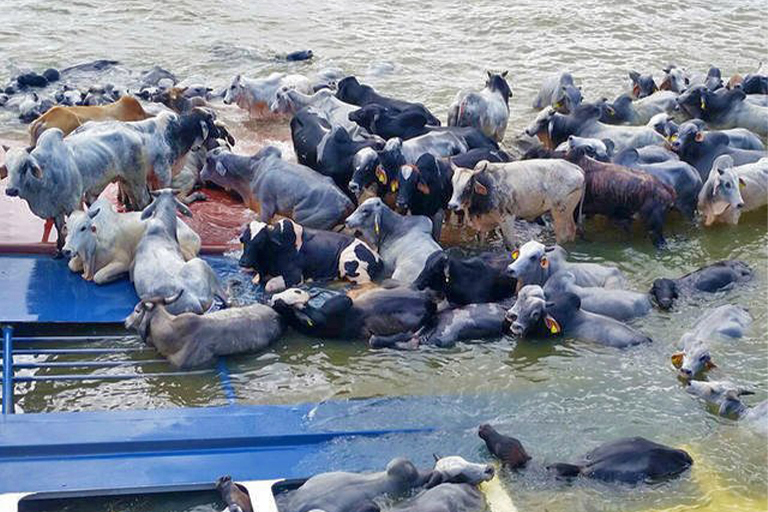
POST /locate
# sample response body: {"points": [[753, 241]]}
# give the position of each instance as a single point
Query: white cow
{"points": [[729, 191], [102, 242], [494, 194], [257, 94]]}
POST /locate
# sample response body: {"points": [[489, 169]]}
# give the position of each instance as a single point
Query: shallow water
{"points": [[560, 399]]}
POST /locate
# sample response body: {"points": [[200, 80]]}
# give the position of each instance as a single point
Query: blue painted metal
{"points": [[38, 288], [132, 450], [7, 369], [226, 381]]}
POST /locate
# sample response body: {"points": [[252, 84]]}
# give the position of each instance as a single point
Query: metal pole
{"points": [[7, 369]]}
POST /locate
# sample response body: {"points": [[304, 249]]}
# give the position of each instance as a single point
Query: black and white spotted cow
{"points": [[286, 254]]}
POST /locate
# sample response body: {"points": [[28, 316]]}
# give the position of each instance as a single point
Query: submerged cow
{"points": [[404, 243], [716, 277], [351, 91], [618, 304], [629, 460], [505, 448], [726, 396], [535, 263], [286, 254], [487, 110], [188, 340], [270, 185], [730, 321], [495, 194]]}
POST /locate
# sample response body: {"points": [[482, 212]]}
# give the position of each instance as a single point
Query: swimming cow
{"points": [[716, 277], [629, 460]]}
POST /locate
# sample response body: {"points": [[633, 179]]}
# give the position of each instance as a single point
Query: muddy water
{"points": [[559, 399]]}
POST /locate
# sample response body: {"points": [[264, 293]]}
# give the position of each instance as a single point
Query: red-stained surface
{"points": [[218, 221]]}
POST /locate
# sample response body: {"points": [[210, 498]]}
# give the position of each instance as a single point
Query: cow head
{"points": [[140, 319], [540, 126], [528, 310], [351, 91], [725, 395], [282, 103], [457, 470], [642, 85], [370, 219], [722, 190], [366, 170], [664, 292], [435, 274], [694, 358], [531, 263], [693, 101], [471, 189], [498, 82], [566, 98], [675, 79], [235, 92], [255, 243]]}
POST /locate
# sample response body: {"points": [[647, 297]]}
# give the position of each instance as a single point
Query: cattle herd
{"points": [[374, 182]]}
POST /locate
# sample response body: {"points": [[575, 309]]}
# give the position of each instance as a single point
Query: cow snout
{"points": [[740, 205], [12, 191], [511, 272], [686, 373], [67, 253], [354, 188], [454, 206]]}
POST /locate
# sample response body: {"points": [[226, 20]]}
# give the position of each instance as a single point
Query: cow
{"points": [[404, 243], [553, 129], [349, 90], [323, 102], [719, 276], [675, 79], [487, 110], [679, 175], [700, 149], [159, 269], [372, 166], [101, 243], [730, 191], [188, 340], [558, 91], [724, 109], [425, 189], [376, 314], [619, 193], [463, 281], [494, 194], [378, 120], [255, 95], [533, 264], [618, 304], [67, 119], [625, 110], [286, 254], [325, 148], [270, 185], [740, 138]]}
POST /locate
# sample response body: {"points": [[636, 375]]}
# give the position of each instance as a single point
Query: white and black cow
{"points": [[286, 254]]}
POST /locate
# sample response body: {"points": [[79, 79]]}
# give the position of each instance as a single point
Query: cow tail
{"points": [[35, 130], [580, 223]]}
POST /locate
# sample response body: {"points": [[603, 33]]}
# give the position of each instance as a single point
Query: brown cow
{"points": [[620, 192], [67, 119]]}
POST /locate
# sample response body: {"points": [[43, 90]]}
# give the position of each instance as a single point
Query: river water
{"points": [[560, 399]]}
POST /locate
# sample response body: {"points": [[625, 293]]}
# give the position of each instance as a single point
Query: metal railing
{"points": [[9, 366]]}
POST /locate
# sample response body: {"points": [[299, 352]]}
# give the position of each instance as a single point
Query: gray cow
{"points": [[159, 269], [403, 242], [446, 498], [50, 195], [188, 340], [487, 110], [619, 304], [270, 185], [560, 92], [535, 263], [727, 397], [730, 321]]}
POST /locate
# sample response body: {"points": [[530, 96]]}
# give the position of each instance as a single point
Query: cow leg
{"points": [[47, 230], [653, 218], [75, 264], [437, 225], [61, 234], [507, 225], [110, 272]]}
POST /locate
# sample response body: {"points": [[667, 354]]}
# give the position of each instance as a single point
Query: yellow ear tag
{"points": [[552, 325], [742, 185], [703, 104], [710, 365], [393, 186], [557, 104], [672, 138], [376, 227], [515, 255], [544, 262], [381, 175], [677, 359], [310, 322]]}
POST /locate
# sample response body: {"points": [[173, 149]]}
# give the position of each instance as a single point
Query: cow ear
{"points": [[544, 262], [552, 325], [634, 76], [504, 74], [221, 169], [710, 365], [742, 183], [93, 229], [677, 359], [93, 212], [489, 74], [423, 188], [36, 171], [480, 189], [381, 175], [699, 136]]}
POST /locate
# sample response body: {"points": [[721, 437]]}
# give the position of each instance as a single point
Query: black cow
{"points": [[468, 280], [712, 278], [380, 121], [286, 254], [352, 91]]}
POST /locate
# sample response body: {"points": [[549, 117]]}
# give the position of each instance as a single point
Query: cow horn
{"points": [[173, 298]]}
